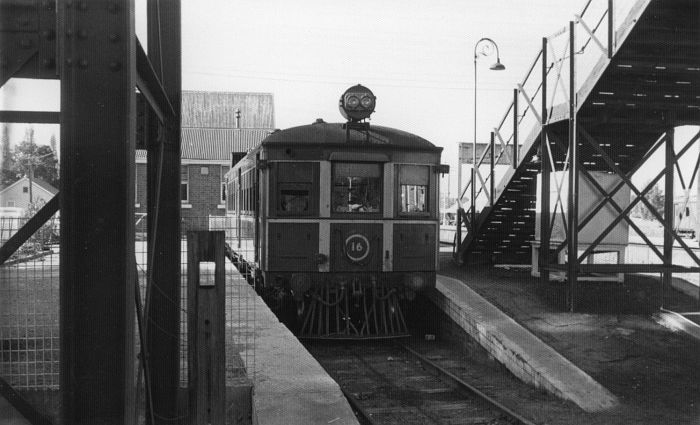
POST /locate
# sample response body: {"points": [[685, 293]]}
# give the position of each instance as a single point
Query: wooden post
{"points": [[206, 326]]}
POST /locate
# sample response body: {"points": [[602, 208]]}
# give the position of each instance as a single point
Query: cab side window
{"points": [[296, 194], [414, 182]]}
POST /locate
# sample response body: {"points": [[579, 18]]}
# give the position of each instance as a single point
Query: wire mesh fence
{"points": [[29, 314], [29, 310]]}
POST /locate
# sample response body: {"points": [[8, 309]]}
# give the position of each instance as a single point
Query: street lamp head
{"points": [[498, 66]]}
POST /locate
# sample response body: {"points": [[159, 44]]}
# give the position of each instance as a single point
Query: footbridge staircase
{"points": [[634, 67]]}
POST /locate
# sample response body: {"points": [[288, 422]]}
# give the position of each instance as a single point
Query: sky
{"points": [[416, 56]]}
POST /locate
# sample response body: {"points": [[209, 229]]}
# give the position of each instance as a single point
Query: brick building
{"points": [[214, 124]]}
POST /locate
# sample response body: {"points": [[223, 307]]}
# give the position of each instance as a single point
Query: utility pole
{"points": [[33, 161], [31, 180]]}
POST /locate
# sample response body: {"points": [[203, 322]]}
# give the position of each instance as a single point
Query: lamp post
{"points": [[483, 47]]}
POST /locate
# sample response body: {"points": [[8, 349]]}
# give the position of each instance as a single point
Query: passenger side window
{"points": [[414, 182]]}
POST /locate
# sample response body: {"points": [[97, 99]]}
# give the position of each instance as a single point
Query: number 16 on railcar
{"points": [[343, 219]]}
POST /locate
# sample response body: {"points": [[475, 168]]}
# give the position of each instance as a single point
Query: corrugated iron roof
{"points": [[218, 109], [216, 143]]}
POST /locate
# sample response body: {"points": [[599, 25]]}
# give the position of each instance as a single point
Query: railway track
{"points": [[390, 383]]}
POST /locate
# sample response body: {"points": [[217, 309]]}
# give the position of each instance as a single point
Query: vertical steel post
{"points": [[516, 148], [473, 196], [668, 208], [545, 171], [492, 178], [458, 242], [572, 210], [474, 156], [97, 273], [164, 219], [459, 174], [611, 29], [256, 206]]}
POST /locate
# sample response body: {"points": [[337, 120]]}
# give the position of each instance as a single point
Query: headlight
{"points": [[357, 103], [352, 102]]}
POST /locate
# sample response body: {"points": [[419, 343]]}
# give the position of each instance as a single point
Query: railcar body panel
{"points": [[337, 206]]}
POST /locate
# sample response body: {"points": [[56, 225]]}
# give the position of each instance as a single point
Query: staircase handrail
{"points": [[520, 118]]}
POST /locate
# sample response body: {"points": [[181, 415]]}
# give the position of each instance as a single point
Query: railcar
{"points": [[343, 222]]}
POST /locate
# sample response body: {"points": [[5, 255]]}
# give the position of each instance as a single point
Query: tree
{"points": [[52, 143], [656, 198], [7, 166], [35, 160]]}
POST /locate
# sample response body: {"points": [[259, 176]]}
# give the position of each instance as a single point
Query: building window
{"points": [[25, 189], [357, 188], [184, 184], [224, 170], [414, 181], [204, 171], [11, 204]]}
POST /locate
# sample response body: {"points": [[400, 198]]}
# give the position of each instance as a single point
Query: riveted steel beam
{"points": [[39, 117], [97, 276], [163, 304]]}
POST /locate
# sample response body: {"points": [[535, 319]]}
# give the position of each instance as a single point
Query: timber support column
{"points": [[97, 273]]}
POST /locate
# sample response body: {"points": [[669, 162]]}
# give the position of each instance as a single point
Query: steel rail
{"points": [[364, 417], [519, 419]]}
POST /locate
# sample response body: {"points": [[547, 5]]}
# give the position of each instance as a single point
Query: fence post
{"points": [[206, 326]]}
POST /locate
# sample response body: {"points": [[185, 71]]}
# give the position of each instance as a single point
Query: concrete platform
{"points": [[649, 371], [290, 386], [525, 355]]}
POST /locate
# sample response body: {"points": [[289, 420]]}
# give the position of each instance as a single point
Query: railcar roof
{"points": [[322, 133]]}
